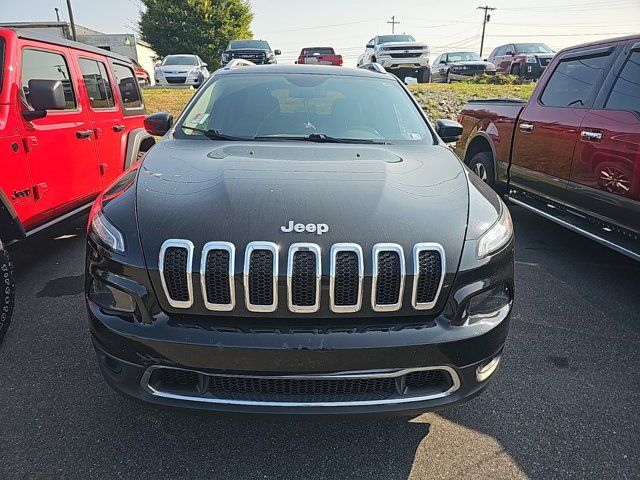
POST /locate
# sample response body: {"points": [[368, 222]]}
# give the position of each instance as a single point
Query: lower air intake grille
{"points": [[303, 279], [347, 280], [217, 277], [430, 271], [389, 278], [309, 389], [261, 277], [175, 273]]}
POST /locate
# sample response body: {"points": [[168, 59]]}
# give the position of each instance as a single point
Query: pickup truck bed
{"points": [[572, 153]]}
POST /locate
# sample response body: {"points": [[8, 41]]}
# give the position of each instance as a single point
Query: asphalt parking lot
{"points": [[564, 404]]}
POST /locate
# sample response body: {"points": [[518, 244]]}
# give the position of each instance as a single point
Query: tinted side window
{"points": [[96, 81], [573, 82], [626, 91], [40, 65], [128, 86]]}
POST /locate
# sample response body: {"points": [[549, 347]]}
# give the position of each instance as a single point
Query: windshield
{"points": [[532, 48], [395, 38], [463, 57], [180, 60], [257, 44], [302, 106]]}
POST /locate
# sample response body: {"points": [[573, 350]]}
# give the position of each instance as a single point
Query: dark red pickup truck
{"points": [[572, 153], [319, 56]]}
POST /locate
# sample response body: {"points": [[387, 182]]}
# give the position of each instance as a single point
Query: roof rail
{"points": [[373, 67], [238, 62]]}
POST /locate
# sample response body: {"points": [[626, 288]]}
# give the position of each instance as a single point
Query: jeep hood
{"points": [[239, 192]]}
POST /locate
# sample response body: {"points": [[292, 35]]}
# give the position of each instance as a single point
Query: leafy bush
{"points": [[498, 80]]}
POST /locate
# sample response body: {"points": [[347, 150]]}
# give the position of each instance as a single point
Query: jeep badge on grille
{"points": [[318, 228]]}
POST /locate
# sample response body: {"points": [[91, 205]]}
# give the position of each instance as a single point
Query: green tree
{"points": [[201, 27]]}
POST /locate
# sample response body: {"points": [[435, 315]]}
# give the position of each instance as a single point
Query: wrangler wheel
{"points": [[7, 290]]}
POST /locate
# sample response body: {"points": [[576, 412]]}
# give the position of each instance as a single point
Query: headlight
{"points": [[496, 236], [531, 59], [159, 73], [225, 57], [104, 230], [490, 68], [194, 71]]}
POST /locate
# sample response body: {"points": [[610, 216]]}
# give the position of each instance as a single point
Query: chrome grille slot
{"points": [[428, 267], [303, 277], [261, 277], [347, 273], [388, 277], [217, 276], [175, 265]]}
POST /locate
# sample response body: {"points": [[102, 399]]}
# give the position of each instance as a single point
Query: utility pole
{"points": [[487, 17], [73, 25], [57, 14], [393, 23]]}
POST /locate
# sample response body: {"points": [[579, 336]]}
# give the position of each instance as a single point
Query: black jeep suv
{"points": [[255, 51], [300, 241]]}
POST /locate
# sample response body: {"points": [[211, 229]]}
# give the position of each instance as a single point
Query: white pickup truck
{"points": [[401, 55]]}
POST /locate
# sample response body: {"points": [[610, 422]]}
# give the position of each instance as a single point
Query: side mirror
{"points": [[278, 52], [510, 54], [486, 59], [444, 62], [369, 45], [448, 130], [635, 48], [44, 95], [158, 123], [205, 65]]}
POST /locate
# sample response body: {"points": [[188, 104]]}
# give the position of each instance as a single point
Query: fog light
{"points": [[485, 370], [111, 298], [488, 303]]}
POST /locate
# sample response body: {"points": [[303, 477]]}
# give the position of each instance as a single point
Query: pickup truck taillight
{"points": [[300, 60], [340, 60]]}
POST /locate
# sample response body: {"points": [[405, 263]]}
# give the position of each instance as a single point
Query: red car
{"points": [[319, 56], [572, 153], [526, 60], [71, 121], [144, 79]]}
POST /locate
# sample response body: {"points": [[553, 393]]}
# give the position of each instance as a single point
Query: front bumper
{"points": [[128, 352], [532, 70], [183, 79], [414, 63], [462, 76]]}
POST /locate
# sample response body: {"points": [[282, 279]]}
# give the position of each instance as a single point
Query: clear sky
{"points": [[346, 25]]}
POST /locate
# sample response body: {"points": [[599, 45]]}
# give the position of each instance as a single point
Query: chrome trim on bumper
{"points": [[455, 385]]}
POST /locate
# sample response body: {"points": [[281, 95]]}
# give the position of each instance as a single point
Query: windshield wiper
{"points": [[322, 138], [214, 134]]}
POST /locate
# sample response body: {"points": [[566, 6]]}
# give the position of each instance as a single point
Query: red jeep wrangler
{"points": [[71, 121]]}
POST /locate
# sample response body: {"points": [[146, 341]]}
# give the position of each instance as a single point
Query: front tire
{"points": [[424, 75], [7, 291], [482, 165]]}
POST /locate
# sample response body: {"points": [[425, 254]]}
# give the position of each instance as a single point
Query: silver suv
{"points": [[182, 70]]}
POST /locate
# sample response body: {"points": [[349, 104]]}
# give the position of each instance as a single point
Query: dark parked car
{"points": [[319, 250], [572, 153], [256, 51], [459, 66], [527, 60]]}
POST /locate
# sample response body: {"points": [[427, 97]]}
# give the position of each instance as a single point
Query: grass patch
{"points": [[439, 100]]}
